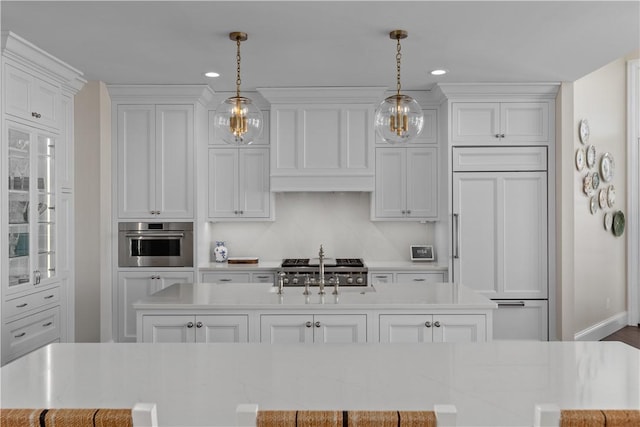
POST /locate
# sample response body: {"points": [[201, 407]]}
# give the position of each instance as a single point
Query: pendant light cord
{"points": [[238, 81], [398, 58]]}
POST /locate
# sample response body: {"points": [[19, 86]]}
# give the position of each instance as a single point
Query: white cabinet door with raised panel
{"points": [[475, 122], [422, 183], [406, 328], [223, 183], [168, 329], [340, 328], [390, 195], [286, 329], [524, 122], [222, 328], [253, 183], [459, 328], [31, 98], [174, 181], [521, 320], [500, 233]]}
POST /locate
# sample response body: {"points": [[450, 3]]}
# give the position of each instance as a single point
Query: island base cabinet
{"points": [[295, 329], [418, 328], [190, 329]]}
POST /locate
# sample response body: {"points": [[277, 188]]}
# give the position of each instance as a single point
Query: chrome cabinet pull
{"points": [[199, 325], [318, 324], [436, 324], [225, 280], [47, 324], [419, 280], [190, 325], [308, 324], [24, 304], [502, 135], [427, 324], [262, 277], [36, 115], [20, 335], [456, 222], [49, 297]]}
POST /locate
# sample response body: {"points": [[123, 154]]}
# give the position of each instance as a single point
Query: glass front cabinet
{"points": [[32, 208]]}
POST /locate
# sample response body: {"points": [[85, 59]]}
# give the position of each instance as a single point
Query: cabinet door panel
{"points": [[223, 184], [167, 278], [253, 184], [45, 102], [174, 161], [222, 329], [521, 320], [525, 121], [136, 160], [459, 328], [525, 235], [405, 328], [475, 122], [321, 138], [132, 286], [422, 178], [286, 329], [217, 277], [355, 152], [390, 182], [19, 89], [340, 328], [420, 277], [475, 200], [167, 329]]}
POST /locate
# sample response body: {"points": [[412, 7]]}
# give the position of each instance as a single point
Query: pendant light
{"points": [[398, 118], [237, 120]]}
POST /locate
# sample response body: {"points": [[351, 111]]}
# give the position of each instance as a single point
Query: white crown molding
{"points": [[323, 95], [499, 90], [26, 53], [200, 93]]}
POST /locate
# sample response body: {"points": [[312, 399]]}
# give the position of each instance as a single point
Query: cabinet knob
{"points": [[502, 135], [409, 212], [427, 324], [497, 135], [241, 212], [403, 212], [36, 115], [318, 324], [235, 212], [199, 325], [308, 324], [190, 325], [436, 324]]}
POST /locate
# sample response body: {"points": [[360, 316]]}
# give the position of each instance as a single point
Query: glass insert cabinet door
{"points": [[31, 205]]}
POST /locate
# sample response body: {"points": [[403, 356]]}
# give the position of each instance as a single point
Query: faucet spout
{"points": [[321, 266]]}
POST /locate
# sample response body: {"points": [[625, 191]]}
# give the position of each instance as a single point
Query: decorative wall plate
{"points": [[607, 167], [618, 223], [608, 221], [580, 158], [611, 196], [586, 185], [591, 156], [595, 181], [593, 205], [584, 131], [602, 198]]}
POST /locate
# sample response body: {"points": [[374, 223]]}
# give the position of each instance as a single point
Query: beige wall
{"points": [[599, 257], [92, 132]]}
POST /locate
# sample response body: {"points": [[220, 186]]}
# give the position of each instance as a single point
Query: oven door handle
{"points": [[155, 235]]}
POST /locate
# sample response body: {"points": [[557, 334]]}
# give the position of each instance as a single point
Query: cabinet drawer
{"points": [[27, 303], [420, 277], [262, 278], [32, 332], [499, 159], [375, 278], [225, 277]]}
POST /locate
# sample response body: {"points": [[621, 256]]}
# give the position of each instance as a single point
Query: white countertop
{"points": [[237, 296], [371, 265], [491, 384]]}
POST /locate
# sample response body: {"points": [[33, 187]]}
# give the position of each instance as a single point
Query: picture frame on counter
{"points": [[422, 253]]}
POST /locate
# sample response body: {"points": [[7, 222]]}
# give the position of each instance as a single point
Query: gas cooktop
{"points": [[337, 262]]}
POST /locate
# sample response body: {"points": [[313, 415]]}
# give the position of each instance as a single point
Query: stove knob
{"points": [[360, 280], [294, 280], [349, 280], [285, 280]]}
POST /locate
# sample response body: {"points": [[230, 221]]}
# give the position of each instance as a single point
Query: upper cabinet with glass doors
{"points": [[31, 202]]}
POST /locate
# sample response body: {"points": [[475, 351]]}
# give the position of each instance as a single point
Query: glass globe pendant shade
{"points": [[399, 119], [238, 121]]}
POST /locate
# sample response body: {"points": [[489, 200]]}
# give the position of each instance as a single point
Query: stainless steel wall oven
{"points": [[155, 244]]}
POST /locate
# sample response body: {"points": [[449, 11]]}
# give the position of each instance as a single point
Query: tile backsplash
{"points": [[338, 221]]}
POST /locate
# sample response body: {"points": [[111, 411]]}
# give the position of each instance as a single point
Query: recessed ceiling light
{"points": [[438, 72], [211, 74]]}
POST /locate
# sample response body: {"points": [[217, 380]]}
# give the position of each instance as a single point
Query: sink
{"points": [[295, 290]]}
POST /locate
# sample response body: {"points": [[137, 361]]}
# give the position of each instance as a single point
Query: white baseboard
{"points": [[603, 329]]}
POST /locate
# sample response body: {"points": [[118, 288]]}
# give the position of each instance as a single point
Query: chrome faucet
{"points": [[321, 265], [281, 282]]}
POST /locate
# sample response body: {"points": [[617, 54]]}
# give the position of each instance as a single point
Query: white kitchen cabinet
{"points": [[521, 320], [135, 285], [263, 277], [26, 334], [418, 328], [406, 184], [155, 146], [199, 329], [500, 233], [239, 184], [407, 277], [502, 123], [225, 277], [318, 328], [32, 97]]}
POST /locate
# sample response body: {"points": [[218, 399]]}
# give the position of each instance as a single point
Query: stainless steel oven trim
{"points": [[128, 231]]}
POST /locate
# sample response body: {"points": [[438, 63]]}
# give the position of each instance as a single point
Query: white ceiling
{"points": [[329, 43]]}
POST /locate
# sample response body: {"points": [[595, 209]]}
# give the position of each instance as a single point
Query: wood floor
{"points": [[628, 334]]}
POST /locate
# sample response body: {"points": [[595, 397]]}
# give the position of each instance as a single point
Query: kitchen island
{"points": [[254, 312], [491, 384]]}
